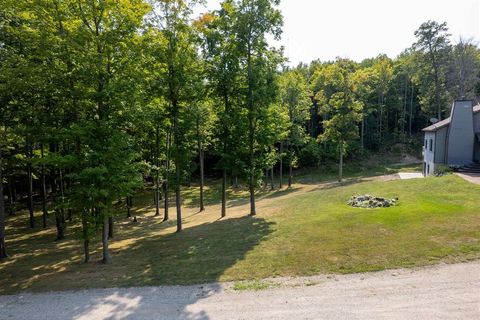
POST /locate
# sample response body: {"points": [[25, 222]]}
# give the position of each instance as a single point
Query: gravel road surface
{"points": [[438, 292]]}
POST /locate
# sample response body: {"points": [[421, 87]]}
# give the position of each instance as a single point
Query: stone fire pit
{"points": [[369, 202]]}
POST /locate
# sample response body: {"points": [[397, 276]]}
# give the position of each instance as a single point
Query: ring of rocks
{"points": [[369, 202]]}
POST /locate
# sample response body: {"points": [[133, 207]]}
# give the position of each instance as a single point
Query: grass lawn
{"points": [[306, 230]]}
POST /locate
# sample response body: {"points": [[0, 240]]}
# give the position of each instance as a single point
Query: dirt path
{"points": [[439, 292]]}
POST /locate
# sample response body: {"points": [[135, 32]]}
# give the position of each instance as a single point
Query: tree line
{"points": [[101, 98]]}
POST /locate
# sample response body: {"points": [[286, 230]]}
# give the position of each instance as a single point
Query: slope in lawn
{"points": [[295, 233], [437, 219]]}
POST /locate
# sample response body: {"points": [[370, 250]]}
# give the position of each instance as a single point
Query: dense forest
{"points": [[100, 99]]}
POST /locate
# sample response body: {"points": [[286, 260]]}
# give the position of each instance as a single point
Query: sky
{"points": [[359, 29]]}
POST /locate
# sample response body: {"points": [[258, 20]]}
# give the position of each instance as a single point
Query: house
{"points": [[455, 140]]}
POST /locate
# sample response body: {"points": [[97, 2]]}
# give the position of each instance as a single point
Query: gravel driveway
{"points": [[439, 292]]}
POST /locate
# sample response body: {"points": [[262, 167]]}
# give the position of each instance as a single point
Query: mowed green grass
{"points": [[437, 219]]}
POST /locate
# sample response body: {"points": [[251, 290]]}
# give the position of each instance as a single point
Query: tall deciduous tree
{"points": [[295, 99], [222, 59], [464, 75], [383, 70], [255, 19], [340, 100], [172, 19], [106, 33], [202, 119], [434, 44]]}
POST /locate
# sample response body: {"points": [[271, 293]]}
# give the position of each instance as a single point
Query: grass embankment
{"points": [[306, 230]]}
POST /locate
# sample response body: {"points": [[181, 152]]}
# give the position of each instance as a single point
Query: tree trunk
{"points": [[30, 186], [265, 182], [68, 186], [60, 224], [281, 165], [106, 254], [290, 175], [157, 172], [3, 250], [225, 150], [176, 138], [251, 131], [167, 174], [224, 193], [437, 89], [340, 167], [44, 191], [380, 126], [236, 182], [404, 112], [253, 211], [62, 193], [129, 213], [363, 132], [12, 196], [200, 151], [290, 169], [410, 120], [60, 213], [110, 227], [86, 236], [178, 201], [272, 183]]}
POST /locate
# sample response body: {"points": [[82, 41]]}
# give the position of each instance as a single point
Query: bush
{"points": [[441, 170]]}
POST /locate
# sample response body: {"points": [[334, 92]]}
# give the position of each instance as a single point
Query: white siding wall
{"points": [[429, 153]]}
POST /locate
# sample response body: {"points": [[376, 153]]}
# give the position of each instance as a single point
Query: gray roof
{"points": [[445, 122]]}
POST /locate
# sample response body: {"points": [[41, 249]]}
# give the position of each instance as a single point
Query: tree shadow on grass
{"points": [[200, 254], [235, 197], [211, 196]]}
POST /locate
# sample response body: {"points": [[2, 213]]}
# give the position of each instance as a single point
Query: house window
{"points": [[431, 144], [428, 169], [426, 144]]}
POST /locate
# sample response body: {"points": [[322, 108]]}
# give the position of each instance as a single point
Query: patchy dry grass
{"points": [[305, 230]]}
